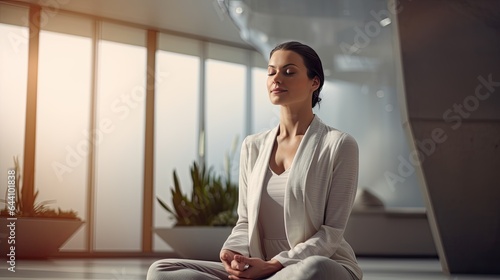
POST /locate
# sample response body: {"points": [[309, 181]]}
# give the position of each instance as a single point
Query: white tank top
{"points": [[271, 214]]}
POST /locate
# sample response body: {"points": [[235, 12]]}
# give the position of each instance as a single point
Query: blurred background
{"points": [[210, 89], [103, 149]]}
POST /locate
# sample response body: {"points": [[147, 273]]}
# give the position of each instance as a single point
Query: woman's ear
{"points": [[315, 83]]}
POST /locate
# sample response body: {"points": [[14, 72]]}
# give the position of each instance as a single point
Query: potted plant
{"points": [[33, 229], [204, 218]]}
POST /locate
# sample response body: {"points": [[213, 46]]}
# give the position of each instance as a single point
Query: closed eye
{"points": [[287, 73]]}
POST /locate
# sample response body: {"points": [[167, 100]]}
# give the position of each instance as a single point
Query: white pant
{"points": [[314, 267]]}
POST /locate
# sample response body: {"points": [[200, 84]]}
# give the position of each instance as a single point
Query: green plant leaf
{"points": [[31, 208], [213, 198]]}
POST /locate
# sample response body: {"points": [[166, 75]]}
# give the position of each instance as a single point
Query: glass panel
{"points": [[225, 110], [62, 144], [176, 128], [120, 152], [13, 82], [265, 115]]}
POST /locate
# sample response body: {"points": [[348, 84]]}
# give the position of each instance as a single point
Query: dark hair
{"points": [[311, 61]]}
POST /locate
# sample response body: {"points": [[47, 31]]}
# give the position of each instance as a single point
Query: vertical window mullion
{"points": [[92, 149], [31, 104], [147, 218], [202, 144]]}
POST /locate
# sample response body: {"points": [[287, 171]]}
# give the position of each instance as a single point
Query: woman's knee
{"points": [[317, 261], [157, 267], [153, 271], [319, 267]]}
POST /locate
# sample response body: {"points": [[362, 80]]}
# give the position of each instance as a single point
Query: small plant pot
{"points": [[35, 238]]}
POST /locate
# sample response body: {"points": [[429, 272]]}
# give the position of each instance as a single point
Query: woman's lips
{"points": [[278, 90]]}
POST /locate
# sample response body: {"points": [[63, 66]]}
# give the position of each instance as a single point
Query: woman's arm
{"points": [[238, 239]]}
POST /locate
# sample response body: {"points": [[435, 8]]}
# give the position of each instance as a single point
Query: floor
{"points": [[122, 269]]}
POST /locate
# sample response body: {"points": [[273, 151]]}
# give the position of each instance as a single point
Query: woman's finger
{"points": [[238, 265], [243, 259]]}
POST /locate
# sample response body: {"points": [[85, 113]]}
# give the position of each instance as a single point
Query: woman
{"points": [[297, 186]]}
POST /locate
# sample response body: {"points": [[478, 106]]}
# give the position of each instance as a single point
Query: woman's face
{"points": [[287, 82]]}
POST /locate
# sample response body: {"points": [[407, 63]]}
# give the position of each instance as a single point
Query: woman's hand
{"points": [[253, 268], [227, 258]]}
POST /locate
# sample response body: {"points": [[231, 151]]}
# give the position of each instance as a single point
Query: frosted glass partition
{"points": [[13, 81], [265, 115], [225, 111], [63, 115], [355, 41], [120, 152], [176, 121]]}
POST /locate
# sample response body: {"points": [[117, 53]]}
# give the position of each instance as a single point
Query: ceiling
{"points": [[354, 38], [199, 18], [206, 19], [327, 25]]}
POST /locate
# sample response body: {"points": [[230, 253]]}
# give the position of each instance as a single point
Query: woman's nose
{"points": [[277, 78]]}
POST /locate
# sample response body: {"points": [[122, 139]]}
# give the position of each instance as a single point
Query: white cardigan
{"points": [[318, 198]]}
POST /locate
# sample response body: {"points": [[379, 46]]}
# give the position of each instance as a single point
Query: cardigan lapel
{"points": [[295, 192], [254, 188]]}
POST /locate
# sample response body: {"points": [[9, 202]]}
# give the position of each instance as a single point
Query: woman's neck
{"points": [[293, 123]]}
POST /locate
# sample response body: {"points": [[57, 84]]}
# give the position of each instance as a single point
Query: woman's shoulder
{"points": [[336, 136], [257, 139]]}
